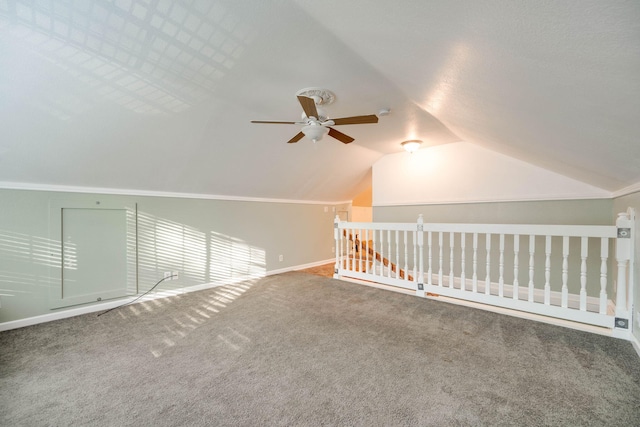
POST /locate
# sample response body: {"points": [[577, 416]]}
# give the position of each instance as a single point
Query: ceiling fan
{"points": [[315, 121]]}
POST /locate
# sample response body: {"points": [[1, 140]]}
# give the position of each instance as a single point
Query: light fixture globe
{"points": [[315, 132], [412, 145]]}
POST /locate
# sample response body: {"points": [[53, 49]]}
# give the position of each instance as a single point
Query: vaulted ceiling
{"points": [[158, 95]]}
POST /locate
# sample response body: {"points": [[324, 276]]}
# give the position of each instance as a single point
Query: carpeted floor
{"points": [[299, 349]]}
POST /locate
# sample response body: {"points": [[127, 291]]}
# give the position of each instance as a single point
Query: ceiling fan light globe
{"points": [[315, 132]]}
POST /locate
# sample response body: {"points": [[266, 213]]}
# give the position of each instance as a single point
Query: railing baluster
{"points": [[374, 248], [350, 249], [462, 261], [353, 253], [345, 249], [441, 259], [356, 252], [342, 239], [337, 235], [380, 253], [532, 251], [389, 253], [382, 243], [415, 257], [451, 245], [420, 279], [475, 263], [516, 251], [604, 255], [406, 256], [366, 254], [353, 249], [487, 279], [583, 273], [397, 255], [364, 247], [501, 268], [547, 271], [430, 258], [358, 243], [565, 272], [381, 259], [359, 249], [343, 260]]}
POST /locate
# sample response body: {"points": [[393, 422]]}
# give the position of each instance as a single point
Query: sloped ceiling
{"points": [[157, 95]]}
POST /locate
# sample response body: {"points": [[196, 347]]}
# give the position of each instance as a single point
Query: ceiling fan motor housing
{"points": [[322, 116]]}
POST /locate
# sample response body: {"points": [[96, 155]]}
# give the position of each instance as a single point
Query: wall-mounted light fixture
{"points": [[412, 145]]}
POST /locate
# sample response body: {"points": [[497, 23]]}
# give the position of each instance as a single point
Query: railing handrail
{"points": [[608, 231], [400, 226]]}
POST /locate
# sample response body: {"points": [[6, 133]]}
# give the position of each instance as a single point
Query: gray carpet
{"points": [[297, 349]]}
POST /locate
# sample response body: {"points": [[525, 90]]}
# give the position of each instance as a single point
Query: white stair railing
{"points": [[566, 274]]}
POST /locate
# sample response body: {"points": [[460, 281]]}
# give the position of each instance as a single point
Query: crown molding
{"points": [[500, 200], [148, 193], [633, 188]]}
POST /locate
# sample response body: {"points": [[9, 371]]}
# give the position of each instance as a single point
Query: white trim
{"points": [[633, 188], [494, 309], [608, 231], [527, 315], [505, 200], [152, 193], [635, 343], [77, 311], [312, 264], [301, 266], [375, 285], [553, 309]]}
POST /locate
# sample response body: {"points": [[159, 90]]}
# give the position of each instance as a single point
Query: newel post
{"points": [[336, 237], [623, 258], [420, 276]]}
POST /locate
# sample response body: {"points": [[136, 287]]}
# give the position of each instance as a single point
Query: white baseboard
{"points": [[486, 307], [301, 266], [103, 306], [315, 264], [375, 285], [635, 343]]}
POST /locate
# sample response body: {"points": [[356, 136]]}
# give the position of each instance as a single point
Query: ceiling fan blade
{"points": [[296, 138], [346, 139], [356, 120], [263, 121], [309, 106]]}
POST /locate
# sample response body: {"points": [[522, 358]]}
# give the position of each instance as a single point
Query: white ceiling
{"points": [[157, 95]]}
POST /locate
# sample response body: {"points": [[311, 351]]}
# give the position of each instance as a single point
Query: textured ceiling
{"points": [[157, 95]]}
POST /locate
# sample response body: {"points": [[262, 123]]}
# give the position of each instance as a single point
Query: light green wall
{"points": [[620, 205], [592, 211], [205, 240]]}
